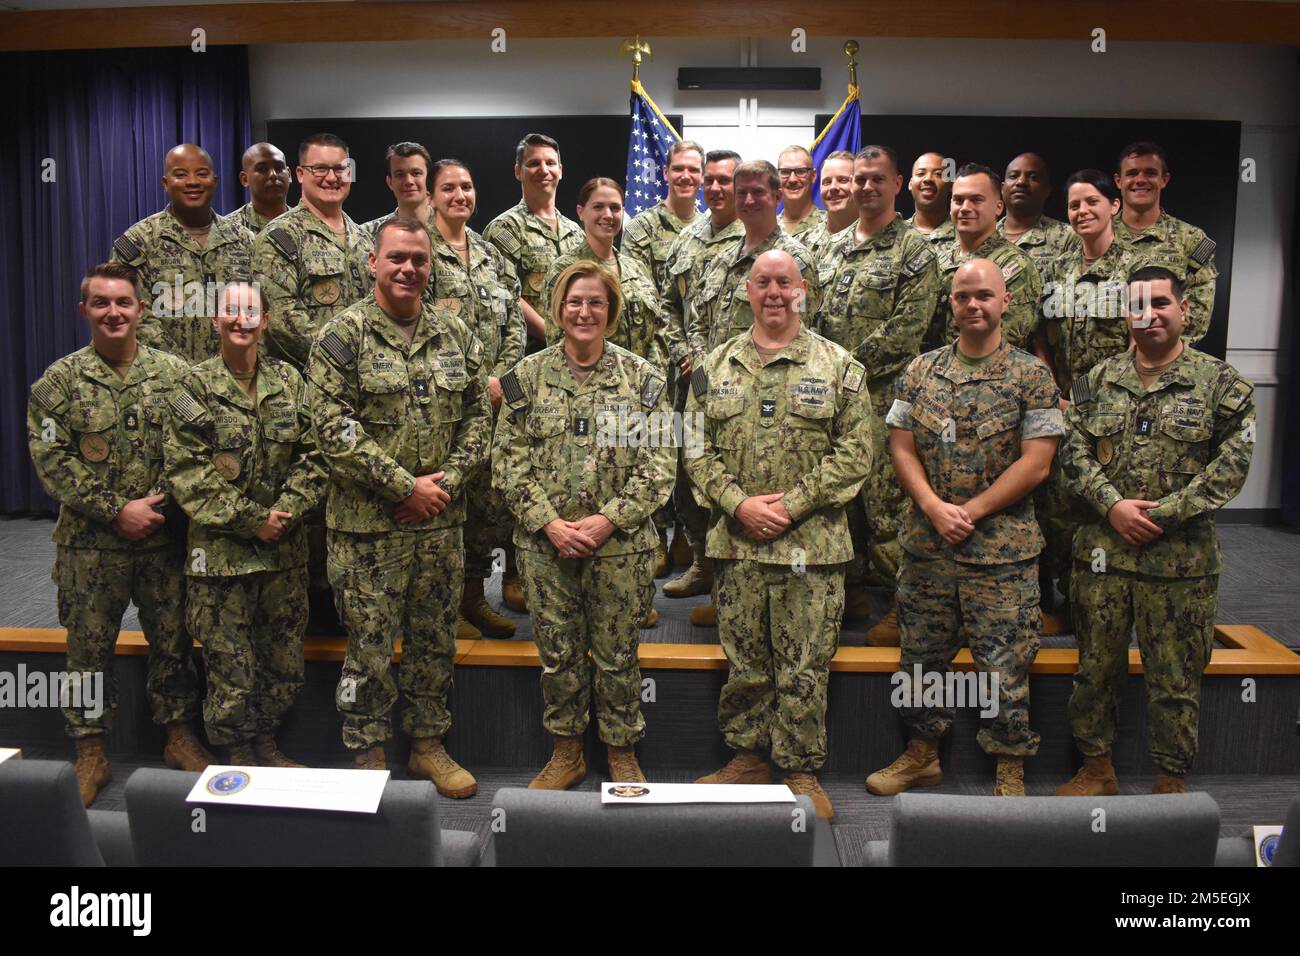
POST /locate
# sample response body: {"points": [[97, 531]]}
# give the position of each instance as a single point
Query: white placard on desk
{"points": [[306, 788], [8, 753], [643, 793], [1266, 841]]}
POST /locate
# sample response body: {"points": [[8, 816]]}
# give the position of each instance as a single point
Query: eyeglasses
{"points": [[596, 305], [795, 172], [321, 171]]}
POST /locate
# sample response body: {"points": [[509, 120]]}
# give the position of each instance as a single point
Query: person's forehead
{"points": [[793, 153], [189, 159], [604, 194], [751, 181], [110, 288], [686, 156], [265, 154], [318, 152], [874, 164], [1141, 161], [720, 167], [405, 240], [1082, 191], [927, 162], [542, 153], [837, 166], [775, 268], [407, 162], [1151, 287], [459, 173], [975, 183], [1025, 162]]}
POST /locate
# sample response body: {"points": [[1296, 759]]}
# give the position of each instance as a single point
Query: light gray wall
{"points": [[1253, 85]]}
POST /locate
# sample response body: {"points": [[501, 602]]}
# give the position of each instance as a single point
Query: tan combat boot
{"points": [[92, 767], [1054, 625], [268, 753], [747, 766], [241, 755], [623, 767], [1011, 777], [917, 766], [680, 552], [565, 768], [1096, 778], [706, 615], [465, 631], [183, 750], [1169, 783], [808, 785], [694, 581], [662, 564], [475, 610], [650, 620], [885, 633], [430, 760], [371, 759], [512, 593]]}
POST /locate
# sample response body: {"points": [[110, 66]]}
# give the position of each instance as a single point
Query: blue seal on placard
{"points": [[228, 782], [1268, 848]]}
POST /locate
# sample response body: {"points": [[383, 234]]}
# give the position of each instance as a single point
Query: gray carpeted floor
{"points": [[1260, 586]]}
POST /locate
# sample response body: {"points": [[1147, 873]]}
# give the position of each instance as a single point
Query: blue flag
{"points": [[844, 131], [647, 153]]}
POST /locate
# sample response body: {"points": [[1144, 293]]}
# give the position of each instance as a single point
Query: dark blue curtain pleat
{"points": [[106, 118]]}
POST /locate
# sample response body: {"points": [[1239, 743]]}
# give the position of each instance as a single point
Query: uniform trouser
{"points": [[692, 520], [779, 629], [1060, 513], [1175, 631], [95, 588], [251, 627], [886, 503], [488, 526], [586, 616], [396, 584], [944, 605]]}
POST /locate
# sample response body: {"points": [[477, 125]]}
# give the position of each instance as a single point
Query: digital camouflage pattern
{"points": [[251, 627], [819, 240], [779, 630], [689, 256], [180, 281], [1187, 252], [1186, 442], [718, 309], [250, 218], [642, 327], [586, 618], [967, 423], [386, 411], [309, 276], [530, 246], [1018, 272], [232, 459], [564, 450], [815, 217], [485, 295], [391, 585], [944, 234], [649, 239], [1048, 240], [945, 605], [800, 425]]}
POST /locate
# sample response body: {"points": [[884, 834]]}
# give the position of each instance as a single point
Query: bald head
{"points": [[776, 290], [190, 180], [979, 297], [186, 152]]}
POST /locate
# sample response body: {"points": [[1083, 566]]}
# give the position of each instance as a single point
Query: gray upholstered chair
{"points": [[1240, 851], [42, 821], [568, 828], [404, 831], [930, 829]]}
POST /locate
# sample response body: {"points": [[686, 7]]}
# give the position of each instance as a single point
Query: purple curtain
{"points": [[80, 161]]}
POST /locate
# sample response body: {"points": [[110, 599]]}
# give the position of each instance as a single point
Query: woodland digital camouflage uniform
{"points": [[1045, 242], [877, 301], [530, 246], [650, 236], [231, 459], [569, 450], [1188, 253], [814, 218], [250, 218], [96, 442], [1185, 442], [386, 411], [180, 281], [819, 239], [1019, 274], [968, 422], [309, 275], [800, 425], [945, 233]]}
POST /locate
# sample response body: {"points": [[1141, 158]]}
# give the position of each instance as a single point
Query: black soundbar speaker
{"points": [[749, 78]]}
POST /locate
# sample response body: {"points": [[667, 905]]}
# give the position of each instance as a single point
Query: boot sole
{"points": [[461, 794], [175, 763], [689, 592], [1110, 790], [568, 784], [927, 780]]}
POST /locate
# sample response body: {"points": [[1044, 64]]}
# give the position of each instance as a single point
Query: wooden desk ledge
{"points": [[1248, 652]]}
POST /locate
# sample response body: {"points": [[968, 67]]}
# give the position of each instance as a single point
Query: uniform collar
{"points": [[94, 367], [224, 384], [1035, 235], [1158, 230], [564, 225], [557, 371], [994, 366], [946, 231], [428, 326], [442, 248], [1125, 375], [769, 242], [173, 230], [795, 352], [314, 224], [884, 238]]}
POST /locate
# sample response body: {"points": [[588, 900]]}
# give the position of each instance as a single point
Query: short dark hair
{"points": [[446, 162], [1095, 178], [1155, 274], [1142, 148], [407, 149], [718, 155], [979, 169], [401, 224], [321, 139], [534, 139], [594, 183], [760, 169], [111, 270], [875, 152]]}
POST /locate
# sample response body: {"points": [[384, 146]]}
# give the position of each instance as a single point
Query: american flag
{"points": [[647, 153]]}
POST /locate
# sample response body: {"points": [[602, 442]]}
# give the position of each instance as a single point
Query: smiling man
{"points": [[798, 211], [184, 255], [650, 236], [408, 181], [841, 208], [931, 194], [266, 177], [1025, 191]]}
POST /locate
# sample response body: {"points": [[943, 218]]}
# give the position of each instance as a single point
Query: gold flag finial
{"points": [[851, 51], [636, 47]]}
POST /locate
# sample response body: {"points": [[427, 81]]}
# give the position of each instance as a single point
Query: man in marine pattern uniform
{"points": [[184, 255], [242, 462], [1025, 189], [932, 196], [1160, 438], [1162, 239], [399, 400], [786, 444], [796, 171], [95, 430], [881, 284], [266, 177], [973, 430], [976, 205]]}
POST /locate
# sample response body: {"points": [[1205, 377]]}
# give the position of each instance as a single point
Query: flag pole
{"points": [[636, 47], [851, 51]]}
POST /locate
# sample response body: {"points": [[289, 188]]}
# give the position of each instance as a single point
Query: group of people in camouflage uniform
{"points": [[962, 408]]}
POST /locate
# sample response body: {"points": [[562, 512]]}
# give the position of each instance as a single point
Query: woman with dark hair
{"points": [[579, 456], [473, 279]]}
